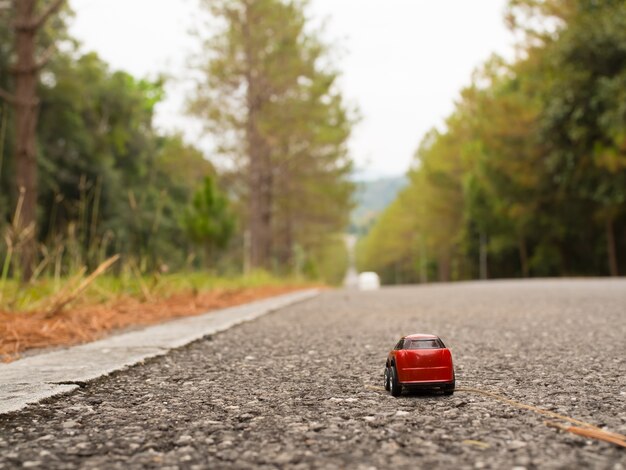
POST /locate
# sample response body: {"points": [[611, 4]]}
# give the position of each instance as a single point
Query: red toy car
{"points": [[419, 361]]}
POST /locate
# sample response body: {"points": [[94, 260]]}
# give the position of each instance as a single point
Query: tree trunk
{"points": [[209, 256], [28, 22], [259, 176], [611, 248], [483, 270], [260, 195], [283, 197], [523, 256], [444, 268], [26, 114], [423, 261], [285, 249]]}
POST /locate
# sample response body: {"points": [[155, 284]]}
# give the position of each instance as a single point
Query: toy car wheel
{"points": [[450, 390], [387, 378], [394, 385]]}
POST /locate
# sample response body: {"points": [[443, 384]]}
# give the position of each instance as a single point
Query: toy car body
{"points": [[419, 361]]}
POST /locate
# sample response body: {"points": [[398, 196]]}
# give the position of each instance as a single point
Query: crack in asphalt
{"points": [[79, 383]]}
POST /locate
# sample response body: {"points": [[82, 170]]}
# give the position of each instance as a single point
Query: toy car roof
{"points": [[420, 336]]}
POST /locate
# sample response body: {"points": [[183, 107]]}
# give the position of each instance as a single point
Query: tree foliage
{"points": [[272, 105], [109, 182], [529, 174], [209, 221]]}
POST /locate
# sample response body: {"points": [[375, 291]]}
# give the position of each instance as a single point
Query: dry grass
{"points": [[89, 321]]}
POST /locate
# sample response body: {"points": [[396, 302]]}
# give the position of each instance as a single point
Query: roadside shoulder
{"points": [[36, 378]]}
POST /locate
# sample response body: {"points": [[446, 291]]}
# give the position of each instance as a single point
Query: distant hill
{"points": [[373, 197]]}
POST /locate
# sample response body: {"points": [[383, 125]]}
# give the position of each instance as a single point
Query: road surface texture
{"points": [[301, 388]]}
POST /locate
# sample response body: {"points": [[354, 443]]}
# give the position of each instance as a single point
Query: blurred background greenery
{"points": [[109, 182], [526, 178]]}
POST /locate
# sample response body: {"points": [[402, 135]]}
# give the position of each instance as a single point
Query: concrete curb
{"points": [[36, 378]]}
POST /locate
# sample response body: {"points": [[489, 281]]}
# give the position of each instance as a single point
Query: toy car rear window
{"points": [[423, 344]]}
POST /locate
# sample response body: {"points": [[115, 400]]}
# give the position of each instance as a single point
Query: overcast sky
{"points": [[405, 61]]}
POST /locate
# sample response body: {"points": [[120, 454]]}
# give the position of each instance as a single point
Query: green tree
{"points": [[28, 22], [584, 123], [274, 108], [528, 176], [108, 182], [503, 190], [209, 221], [97, 158]]}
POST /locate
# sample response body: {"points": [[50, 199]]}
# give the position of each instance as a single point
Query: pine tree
{"points": [[208, 221], [28, 21], [272, 108]]}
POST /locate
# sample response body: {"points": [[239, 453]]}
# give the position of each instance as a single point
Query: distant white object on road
{"points": [[369, 281]]}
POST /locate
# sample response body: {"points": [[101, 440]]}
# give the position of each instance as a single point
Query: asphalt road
{"points": [[301, 388]]}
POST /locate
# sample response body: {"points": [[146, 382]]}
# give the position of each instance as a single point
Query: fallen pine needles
{"points": [[593, 433]]}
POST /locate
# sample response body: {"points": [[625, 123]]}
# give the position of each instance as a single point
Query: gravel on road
{"points": [[302, 388]]}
